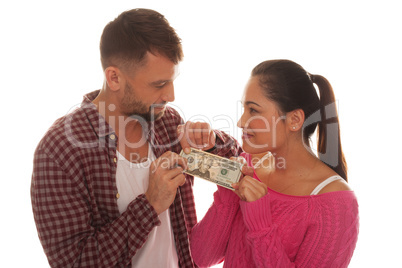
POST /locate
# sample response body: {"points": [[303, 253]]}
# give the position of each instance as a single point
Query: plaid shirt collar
{"points": [[96, 120], [154, 132]]}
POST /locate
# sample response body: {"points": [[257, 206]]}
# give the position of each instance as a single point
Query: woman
{"points": [[291, 208]]}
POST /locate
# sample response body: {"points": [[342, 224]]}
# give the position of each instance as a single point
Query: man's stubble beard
{"points": [[132, 107]]}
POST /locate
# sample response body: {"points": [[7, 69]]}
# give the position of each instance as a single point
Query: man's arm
{"points": [[226, 145], [64, 216]]}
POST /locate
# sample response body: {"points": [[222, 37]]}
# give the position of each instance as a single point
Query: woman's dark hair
{"points": [[126, 40], [291, 87]]}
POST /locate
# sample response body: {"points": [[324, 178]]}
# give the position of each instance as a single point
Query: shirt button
{"points": [[112, 137], [117, 195], [115, 160]]}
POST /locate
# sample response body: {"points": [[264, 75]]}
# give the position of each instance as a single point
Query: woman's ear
{"points": [[113, 78], [295, 119]]}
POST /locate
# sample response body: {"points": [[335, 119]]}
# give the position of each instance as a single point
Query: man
{"points": [[107, 185]]}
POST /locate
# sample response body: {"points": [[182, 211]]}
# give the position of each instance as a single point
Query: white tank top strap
{"points": [[325, 183]]}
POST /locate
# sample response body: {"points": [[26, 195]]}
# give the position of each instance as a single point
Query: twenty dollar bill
{"points": [[216, 169]]}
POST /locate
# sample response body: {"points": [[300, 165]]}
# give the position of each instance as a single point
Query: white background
{"points": [[50, 59]]}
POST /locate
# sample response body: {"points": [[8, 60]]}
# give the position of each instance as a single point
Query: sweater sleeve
{"points": [[329, 241], [210, 236]]}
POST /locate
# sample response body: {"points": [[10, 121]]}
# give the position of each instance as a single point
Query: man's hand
{"points": [[165, 176], [198, 135]]}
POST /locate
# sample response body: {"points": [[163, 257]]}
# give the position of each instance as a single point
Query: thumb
{"points": [[247, 171]]}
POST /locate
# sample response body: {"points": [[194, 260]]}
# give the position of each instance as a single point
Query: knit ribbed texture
{"points": [[277, 230]]}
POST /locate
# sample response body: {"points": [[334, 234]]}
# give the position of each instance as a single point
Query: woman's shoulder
{"points": [[335, 185], [327, 181]]}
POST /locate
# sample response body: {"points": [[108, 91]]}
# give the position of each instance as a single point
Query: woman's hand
{"points": [[248, 188]]}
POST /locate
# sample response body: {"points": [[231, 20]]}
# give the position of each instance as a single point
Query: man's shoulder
{"points": [[70, 130]]}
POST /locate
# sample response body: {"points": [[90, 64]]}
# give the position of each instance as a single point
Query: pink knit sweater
{"points": [[278, 230]]}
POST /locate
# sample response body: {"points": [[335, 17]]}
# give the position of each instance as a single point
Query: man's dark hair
{"points": [[126, 40]]}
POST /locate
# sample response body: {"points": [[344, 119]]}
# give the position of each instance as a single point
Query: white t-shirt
{"points": [[132, 180]]}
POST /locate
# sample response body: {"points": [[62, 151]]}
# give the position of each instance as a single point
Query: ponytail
{"points": [[329, 140]]}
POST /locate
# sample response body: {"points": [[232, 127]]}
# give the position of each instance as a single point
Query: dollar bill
{"points": [[213, 168]]}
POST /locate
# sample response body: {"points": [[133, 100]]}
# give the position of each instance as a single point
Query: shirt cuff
{"points": [[143, 210], [257, 214]]}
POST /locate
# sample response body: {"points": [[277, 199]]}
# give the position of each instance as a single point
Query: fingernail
{"points": [[187, 150]]}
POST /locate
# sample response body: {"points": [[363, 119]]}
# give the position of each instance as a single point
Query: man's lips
{"points": [[159, 108]]}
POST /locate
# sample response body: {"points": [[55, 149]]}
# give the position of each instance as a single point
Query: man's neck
{"points": [[132, 142]]}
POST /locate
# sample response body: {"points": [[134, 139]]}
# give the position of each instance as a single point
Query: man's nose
{"points": [[168, 93]]}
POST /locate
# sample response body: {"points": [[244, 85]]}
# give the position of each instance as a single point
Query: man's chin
{"points": [[154, 116], [149, 117], [157, 116]]}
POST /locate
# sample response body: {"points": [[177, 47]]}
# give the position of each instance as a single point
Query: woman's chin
{"points": [[254, 148]]}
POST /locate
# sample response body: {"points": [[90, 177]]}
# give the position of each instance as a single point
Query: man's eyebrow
{"points": [[251, 102]]}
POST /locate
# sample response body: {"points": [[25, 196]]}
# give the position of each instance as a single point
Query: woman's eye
{"points": [[252, 110]]}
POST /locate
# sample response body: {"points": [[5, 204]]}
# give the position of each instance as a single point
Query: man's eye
{"points": [[160, 85]]}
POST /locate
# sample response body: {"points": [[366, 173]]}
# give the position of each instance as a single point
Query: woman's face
{"points": [[264, 129]]}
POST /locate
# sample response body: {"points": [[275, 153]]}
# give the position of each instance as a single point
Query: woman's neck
{"points": [[290, 161]]}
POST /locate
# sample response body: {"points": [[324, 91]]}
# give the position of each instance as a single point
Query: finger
{"points": [[198, 132], [181, 134], [235, 185], [180, 161], [247, 171], [170, 174], [212, 137], [170, 160], [252, 189], [189, 134], [247, 192], [178, 180], [206, 134], [251, 182], [174, 160]]}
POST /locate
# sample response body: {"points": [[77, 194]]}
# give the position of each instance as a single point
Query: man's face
{"points": [[149, 88]]}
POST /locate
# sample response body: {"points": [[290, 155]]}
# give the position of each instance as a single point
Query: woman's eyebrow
{"points": [[252, 102]]}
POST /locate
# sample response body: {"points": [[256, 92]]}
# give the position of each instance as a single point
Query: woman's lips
{"points": [[246, 136]]}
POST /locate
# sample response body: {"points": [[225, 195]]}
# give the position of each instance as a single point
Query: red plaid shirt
{"points": [[74, 192]]}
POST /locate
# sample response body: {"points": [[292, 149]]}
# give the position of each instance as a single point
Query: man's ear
{"points": [[295, 119], [113, 78]]}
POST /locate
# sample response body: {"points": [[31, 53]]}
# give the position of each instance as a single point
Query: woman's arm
{"points": [[210, 236]]}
